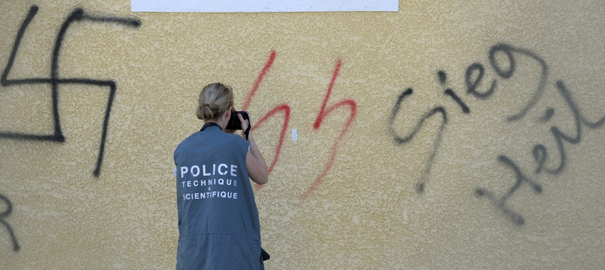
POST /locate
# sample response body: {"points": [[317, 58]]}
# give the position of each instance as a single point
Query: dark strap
{"points": [[247, 131], [264, 254], [210, 125]]}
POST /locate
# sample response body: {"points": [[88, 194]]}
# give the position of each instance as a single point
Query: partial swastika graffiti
{"points": [[55, 80]]}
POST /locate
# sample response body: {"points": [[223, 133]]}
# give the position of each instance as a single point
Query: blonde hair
{"points": [[215, 99]]}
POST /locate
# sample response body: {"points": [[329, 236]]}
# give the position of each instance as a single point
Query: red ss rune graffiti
{"points": [[282, 107], [323, 112]]}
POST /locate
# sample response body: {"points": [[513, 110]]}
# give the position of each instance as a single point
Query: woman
{"points": [[218, 219]]}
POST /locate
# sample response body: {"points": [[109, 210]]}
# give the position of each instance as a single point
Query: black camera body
{"points": [[234, 123]]}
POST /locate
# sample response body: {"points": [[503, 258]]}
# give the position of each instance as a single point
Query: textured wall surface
{"points": [[449, 135]]}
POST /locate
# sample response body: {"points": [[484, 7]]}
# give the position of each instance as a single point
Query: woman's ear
{"points": [[228, 113]]}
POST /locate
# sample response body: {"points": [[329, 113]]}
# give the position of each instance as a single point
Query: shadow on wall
{"points": [[55, 80]]}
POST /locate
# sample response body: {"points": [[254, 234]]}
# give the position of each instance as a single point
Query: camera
{"points": [[234, 122]]}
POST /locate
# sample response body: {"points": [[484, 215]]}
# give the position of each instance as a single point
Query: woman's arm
{"points": [[255, 162]]}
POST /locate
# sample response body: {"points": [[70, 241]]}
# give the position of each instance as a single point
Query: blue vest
{"points": [[218, 219]]}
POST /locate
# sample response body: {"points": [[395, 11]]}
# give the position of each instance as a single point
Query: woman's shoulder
{"points": [[187, 142], [194, 136]]}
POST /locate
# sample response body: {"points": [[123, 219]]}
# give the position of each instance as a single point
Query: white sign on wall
{"points": [[262, 5]]}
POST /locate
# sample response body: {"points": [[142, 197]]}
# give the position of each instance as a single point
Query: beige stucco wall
{"points": [[365, 212]]}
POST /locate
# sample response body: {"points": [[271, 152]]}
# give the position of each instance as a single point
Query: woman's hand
{"points": [[245, 122]]}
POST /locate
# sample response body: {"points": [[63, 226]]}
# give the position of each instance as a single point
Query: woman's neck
{"points": [[216, 122]]}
